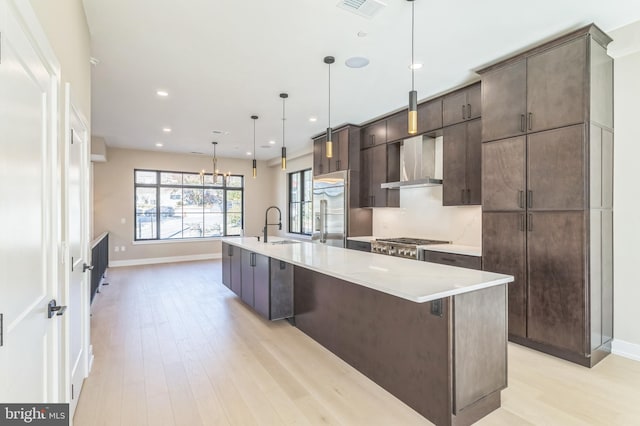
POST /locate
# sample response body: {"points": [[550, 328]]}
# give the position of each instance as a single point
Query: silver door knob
{"points": [[86, 267], [53, 309]]}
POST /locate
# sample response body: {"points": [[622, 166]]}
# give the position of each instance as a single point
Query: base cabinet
{"points": [[263, 283], [232, 267]]}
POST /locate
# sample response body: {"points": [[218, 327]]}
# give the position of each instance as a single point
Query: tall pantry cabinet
{"points": [[547, 185]]}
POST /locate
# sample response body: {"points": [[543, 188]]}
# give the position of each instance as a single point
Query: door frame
{"points": [[71, 114]]}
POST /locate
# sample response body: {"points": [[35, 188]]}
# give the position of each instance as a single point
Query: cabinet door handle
{"points": [[372, 139], [521, 199], [522, 124], [522, 220], [468, 196], [462, 196], [463, 116], [468, 110], [230, 250], [338, 164], [530, 199], [530, 121], [530, 223], [449, 259], [373, 201], [253, 259]]}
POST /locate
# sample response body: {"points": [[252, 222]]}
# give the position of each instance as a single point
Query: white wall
{"points": [[626, 52], [422, 215]]}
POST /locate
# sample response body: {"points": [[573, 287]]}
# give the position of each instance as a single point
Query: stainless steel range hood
{"points": [[418, 165]]}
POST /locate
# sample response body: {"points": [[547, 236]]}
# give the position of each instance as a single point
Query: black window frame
{"points": [[158, 185], [301, 202]]}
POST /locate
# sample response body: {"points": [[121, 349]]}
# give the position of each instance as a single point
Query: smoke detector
{"points": [[365, 8]]}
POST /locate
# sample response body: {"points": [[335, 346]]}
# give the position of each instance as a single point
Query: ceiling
{"points": [[222, 61]]}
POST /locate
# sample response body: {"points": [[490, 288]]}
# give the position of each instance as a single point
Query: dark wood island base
{"points": [[445, 358]]}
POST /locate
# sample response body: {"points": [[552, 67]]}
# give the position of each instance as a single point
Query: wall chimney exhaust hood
{"points": [[418, 165]]}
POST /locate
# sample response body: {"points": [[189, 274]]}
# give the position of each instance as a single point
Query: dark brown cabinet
{"points": [[379, 164], [504, 251], [320, 160], [452, 259], [231, 268], [430, 116], [543, 91], [556, 276], [346, 151], [465, 104], [255, 272], [545, 220], [374, 134], [398, 126], [462, 164], [263, 283]]}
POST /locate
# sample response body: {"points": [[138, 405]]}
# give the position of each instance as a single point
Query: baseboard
{"points": [[626, 349], [155, 260]]}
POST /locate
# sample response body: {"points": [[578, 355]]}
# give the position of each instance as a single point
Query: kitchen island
{"points": [[432, 335]]}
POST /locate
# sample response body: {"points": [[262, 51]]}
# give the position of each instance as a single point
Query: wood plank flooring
{"points": [[173, 346]]}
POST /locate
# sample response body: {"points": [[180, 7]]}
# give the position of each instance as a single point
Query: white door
{"points": [[76, 295], [28, 212]]}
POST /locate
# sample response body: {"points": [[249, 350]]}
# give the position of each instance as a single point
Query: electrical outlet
{"points": [[123, 248], [123, 220], [116, 249]]}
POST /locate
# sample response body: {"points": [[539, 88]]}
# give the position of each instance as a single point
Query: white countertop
{"points": [[454, 248], [406, 278], [366, 239]]}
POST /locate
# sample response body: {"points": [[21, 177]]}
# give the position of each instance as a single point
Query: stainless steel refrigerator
{"points": [[330, 208]]}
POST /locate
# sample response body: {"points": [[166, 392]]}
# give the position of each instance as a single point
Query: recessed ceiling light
{"points": [[272, 142], [249, 153], [167, 130], [313, 119], [356, 62], [159, 145], [162, 93], [415, 66], [217, 132], [362, 33]]}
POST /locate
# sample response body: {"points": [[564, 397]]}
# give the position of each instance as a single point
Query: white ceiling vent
{"points": [[366, 8]]}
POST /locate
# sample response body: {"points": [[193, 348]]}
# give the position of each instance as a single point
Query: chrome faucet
{"points": [[266, 221]]}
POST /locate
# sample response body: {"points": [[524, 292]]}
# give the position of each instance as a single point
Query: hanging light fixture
{"points": [[329, 144], [284, 96], [255, 163], [215, 164], [413, 95]]}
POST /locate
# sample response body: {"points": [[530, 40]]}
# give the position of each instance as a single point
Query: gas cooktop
{"points": [[401, 247]]}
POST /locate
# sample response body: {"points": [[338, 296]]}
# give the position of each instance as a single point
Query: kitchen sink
{"points": [[284, 242]]}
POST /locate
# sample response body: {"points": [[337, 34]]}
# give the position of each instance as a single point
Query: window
{"points": [[176, 205], [300, 207]]}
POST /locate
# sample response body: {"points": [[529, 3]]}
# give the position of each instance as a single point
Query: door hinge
{"points": [[1, 329], [71, 137], [72, 392], [0, 48]]}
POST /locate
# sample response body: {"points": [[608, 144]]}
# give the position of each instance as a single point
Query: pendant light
{"points": [[413, 95], [284, 96], [255, 164], [215, 164], [329, 144]]}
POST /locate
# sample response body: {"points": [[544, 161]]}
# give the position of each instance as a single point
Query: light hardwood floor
{"points": [[173, 346]]}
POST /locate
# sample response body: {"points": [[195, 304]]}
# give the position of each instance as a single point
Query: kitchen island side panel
{"points": [[397, 343]]}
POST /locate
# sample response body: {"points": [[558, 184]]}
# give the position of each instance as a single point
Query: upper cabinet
{"points": [[462, 105], [346, 151], [374, 134], [430, 116], [398, 126], [462, 164], [380, 164], [540, 92]]}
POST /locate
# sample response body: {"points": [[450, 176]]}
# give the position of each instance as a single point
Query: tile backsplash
{"points": [[422, 215]]}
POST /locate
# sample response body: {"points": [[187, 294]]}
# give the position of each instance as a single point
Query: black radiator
{"points": [[99, 260]]}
